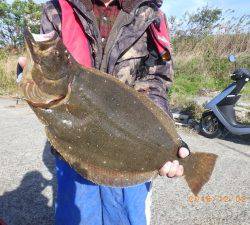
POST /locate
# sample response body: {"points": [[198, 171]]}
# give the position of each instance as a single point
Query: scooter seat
{"points": [[241, 73]]}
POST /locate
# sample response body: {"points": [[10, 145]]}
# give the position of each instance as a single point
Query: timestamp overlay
{"points": [[209, 198]]}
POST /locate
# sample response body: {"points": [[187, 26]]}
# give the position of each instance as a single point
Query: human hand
{"points": [[174, 169], [22, 61]]}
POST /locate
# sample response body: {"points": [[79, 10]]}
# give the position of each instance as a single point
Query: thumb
{"points": [[183, 152]]}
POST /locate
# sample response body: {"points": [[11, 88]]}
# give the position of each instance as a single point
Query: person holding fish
{"points": [[128, 40]]}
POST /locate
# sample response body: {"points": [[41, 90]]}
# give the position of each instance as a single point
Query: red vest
{"points": [[76, 41], [161, 38], [73, 35]]}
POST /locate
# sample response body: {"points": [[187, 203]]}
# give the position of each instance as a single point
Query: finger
{"points": [[180, 171], [173, 169], [183, 152], [44, 37], [22, 61], [165, 169]]}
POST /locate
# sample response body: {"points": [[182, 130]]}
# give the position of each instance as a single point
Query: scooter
{"points": [[220, 112]]}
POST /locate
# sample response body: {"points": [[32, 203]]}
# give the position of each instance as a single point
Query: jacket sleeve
{"points": [[157, 78], [51, 20]]}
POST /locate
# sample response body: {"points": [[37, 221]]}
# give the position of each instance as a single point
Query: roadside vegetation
{"points": [[8, 72], [13, 17], [201, 41]]}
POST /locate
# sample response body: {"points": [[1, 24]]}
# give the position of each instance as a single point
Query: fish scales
{"points": [[108, 132]]}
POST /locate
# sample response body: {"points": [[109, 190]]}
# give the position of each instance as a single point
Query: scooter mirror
{"points": [[231, 58]]}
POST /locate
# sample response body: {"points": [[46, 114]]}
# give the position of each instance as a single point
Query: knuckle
{"points": [[176, 162]]}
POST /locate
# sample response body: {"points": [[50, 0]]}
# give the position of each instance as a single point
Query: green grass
{"points": [[8, 63], [199, 73], [194, 74], [7, 84]]}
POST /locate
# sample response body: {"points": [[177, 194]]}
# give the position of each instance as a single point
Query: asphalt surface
{"points": [[28, 187]]}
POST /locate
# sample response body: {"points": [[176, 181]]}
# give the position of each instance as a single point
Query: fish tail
{"points": [[198, 169]]}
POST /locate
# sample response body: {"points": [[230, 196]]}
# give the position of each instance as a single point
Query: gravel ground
{"points": [[27, 182]]}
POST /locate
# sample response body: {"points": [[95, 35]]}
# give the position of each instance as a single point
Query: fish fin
{"points": [[30, 44], [198, 168]]}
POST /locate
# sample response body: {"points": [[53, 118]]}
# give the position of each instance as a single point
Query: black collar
{"points": [[126, 5]]}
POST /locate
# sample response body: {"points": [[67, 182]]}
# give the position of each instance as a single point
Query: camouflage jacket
{"points": [[129, 54]]}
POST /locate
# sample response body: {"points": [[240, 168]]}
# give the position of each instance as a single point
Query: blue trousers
{"points": [[81, 202]]}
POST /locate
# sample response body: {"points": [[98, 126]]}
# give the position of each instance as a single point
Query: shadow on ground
{"points": [[227, 136], [244, 139], [26, 205]]}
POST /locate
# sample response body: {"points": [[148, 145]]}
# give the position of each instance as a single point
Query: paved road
{"points": [[27, 183]]}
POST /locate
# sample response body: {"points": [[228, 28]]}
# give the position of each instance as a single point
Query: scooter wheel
{"points": [[210, 126]]}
